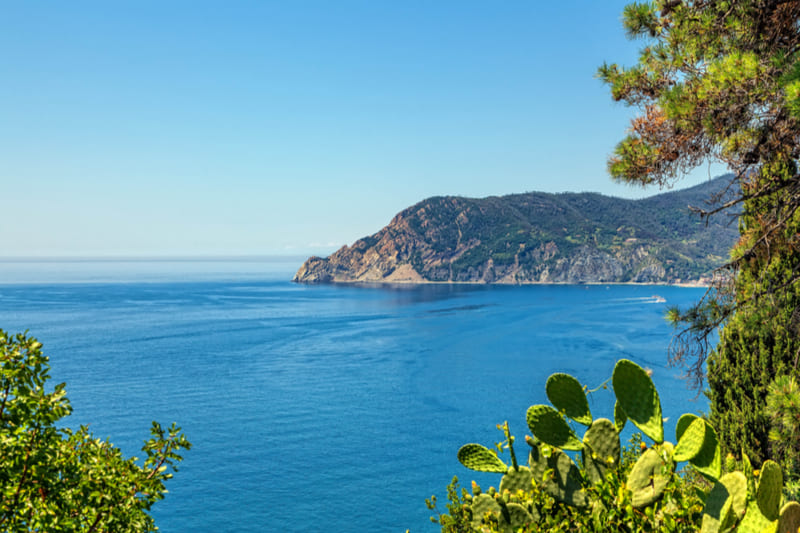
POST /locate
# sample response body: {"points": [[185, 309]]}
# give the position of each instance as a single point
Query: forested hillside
{"points": [[539, 237]]}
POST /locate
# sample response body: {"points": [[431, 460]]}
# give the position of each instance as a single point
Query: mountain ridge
{"points": [[539, 237]]}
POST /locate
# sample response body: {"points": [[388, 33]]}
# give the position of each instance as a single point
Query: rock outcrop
{"points": [[538, 238]]}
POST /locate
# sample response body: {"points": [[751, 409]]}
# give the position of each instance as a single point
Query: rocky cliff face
{"points": [[536, 238]]}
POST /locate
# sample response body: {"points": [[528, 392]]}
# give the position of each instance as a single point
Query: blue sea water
{"points": [[311, 408]]}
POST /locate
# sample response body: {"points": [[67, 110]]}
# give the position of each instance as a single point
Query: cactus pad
{"points": [[639, 399], [516, 480], [683, 422], [480, 458], [514, 517], [481, 505], [690, 441], [549, 426], [725, 504], [789, 521], [601, 449], [648, 478], [736, 483], [619, 416], [557, 475], [717, 509], [708, 460], [755, 522], [567, 395], [770, 489]]}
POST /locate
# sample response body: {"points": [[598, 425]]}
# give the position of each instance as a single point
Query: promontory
{"points": [[539, 238]]}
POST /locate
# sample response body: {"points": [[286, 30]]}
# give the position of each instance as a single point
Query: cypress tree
{"points": [[760, 340]]}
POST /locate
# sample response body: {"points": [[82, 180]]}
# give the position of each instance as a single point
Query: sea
{"points": [[323, 407]]}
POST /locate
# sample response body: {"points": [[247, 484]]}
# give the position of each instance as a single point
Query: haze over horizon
{"points": [[275, 128]]}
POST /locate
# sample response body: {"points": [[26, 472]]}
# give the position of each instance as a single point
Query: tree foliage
{"points": [[783, 410], [56, 479], [720, 81]]}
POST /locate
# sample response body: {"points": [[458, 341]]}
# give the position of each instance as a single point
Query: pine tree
{"points": [[720, 81]]}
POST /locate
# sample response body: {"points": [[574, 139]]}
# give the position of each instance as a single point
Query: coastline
{"points": [[687, 284]]}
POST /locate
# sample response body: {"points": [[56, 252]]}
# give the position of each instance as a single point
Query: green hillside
{"points": [[541, 237]]}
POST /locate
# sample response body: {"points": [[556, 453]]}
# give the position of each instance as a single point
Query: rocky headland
{"points": [[539, 238]]}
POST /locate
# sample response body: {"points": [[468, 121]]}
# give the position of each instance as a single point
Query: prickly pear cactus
{"points": [[509, 512], [480, 458], [555, 472], [638, 397], [690, 441], [567, 395], [683, 422], [619, 417], [789, 521], [708, 460], [736, 501], [513, 516], [516, 480], [755, 522], [601, 449], [648, 478], [736, 484], [725, 504], [482, 504], [770, 489], [549, 426]]}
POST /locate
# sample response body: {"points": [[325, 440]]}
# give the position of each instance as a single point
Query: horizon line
{"points": [[77, 258]]}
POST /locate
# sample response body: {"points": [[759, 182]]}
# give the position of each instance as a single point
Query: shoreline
{"points": [[685, 284]]}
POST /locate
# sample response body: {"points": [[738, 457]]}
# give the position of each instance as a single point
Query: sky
{"points": [[195, 128]]}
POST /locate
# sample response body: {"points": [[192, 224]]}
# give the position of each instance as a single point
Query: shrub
{"points": [[56, 479]]}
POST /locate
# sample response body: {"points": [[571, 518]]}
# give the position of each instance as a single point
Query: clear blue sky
{"points": [[291, 127]]}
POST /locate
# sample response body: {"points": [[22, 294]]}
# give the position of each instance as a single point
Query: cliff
{"points": [[539, 238]]}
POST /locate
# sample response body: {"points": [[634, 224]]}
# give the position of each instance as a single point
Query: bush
{"points": [[56, 479]]}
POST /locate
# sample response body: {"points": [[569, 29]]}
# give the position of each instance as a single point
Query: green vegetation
{"points": [[721, 81], [517, 228], [541, 237], [611, 488], [716, 81], [783, 410], [56, 479]]}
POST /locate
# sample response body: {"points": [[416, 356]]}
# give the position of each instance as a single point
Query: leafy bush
{"points": [[55, 479]]}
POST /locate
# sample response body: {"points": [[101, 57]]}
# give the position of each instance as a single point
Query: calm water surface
{"points": [[313, 408]]}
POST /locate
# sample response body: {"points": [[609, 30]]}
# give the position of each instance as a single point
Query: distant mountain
{"points": [[539, 238]]}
